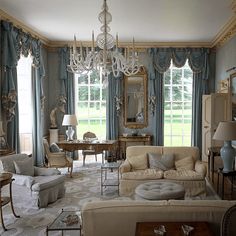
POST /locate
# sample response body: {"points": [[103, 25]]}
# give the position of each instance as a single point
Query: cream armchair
{"points": [[57, 159]]}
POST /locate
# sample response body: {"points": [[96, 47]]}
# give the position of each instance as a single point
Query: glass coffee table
{"points": [[105, 180], [66, 220]]}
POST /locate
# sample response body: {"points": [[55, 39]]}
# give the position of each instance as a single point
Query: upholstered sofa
{"points": [[116, 217], [37, 187], [152, 163]]}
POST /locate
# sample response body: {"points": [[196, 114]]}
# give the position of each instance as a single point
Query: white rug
{"points": [[82, 188]]}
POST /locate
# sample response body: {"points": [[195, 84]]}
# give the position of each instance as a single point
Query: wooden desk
{"points": [[6, 152], [124, 140], [5, 179], [98, 146], [212, 153], [172, 228]]}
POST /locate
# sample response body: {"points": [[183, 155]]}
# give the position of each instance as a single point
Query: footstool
{"points": [[159, 190]]}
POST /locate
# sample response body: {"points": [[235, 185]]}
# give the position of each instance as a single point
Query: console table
{"points": [[125, 140], [173, 228]]}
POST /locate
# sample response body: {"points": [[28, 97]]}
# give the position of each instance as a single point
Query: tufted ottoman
{"points": [[159, 190]]}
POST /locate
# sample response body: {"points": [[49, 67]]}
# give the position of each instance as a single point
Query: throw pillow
{"points": [[186, 163], [138, 162], [54, 148], [159, 161], [24, 167]]}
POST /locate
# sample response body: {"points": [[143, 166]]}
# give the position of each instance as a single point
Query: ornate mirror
{"points": [[135, 97], [233, 94]]}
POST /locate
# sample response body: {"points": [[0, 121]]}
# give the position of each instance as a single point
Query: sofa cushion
{"points": [[44, 182], [54, 148], [182, 175], [159, 161], [186, 163], [143, 174], [138, 162], [24, 167]]}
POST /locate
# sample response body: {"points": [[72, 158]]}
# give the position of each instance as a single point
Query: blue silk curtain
{"points": [[15, 42], [112, 114], [198, 59]]}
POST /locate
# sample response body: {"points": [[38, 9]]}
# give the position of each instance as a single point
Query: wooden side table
{"points": [[5, 179], [173, 228], [212, 153], [231, 174]]}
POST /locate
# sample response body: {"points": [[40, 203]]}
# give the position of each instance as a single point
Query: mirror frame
{"points": [[135, 125], [232, 89]]}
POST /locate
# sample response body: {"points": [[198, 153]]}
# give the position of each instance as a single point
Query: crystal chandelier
{"points": [[107, 56]]}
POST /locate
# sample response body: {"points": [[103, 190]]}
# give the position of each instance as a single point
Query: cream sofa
{"points": [[135, 169], [116, 217]]}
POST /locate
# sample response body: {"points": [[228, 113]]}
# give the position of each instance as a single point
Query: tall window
{"points": [[178, 106], [90, 105], [24, 103]]}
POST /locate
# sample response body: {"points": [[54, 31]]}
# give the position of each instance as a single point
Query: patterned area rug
{"points": [[83, 187]]}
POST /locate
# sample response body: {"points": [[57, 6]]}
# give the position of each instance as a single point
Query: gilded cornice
{"points": [[228, 31]]}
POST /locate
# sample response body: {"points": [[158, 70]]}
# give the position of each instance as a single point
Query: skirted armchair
{"points": [[35, 186]]}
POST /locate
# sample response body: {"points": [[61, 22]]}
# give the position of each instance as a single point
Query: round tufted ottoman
{"points": [[160, 190]]}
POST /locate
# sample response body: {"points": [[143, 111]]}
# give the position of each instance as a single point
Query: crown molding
{"points": [[18, 24], [227, 32]]}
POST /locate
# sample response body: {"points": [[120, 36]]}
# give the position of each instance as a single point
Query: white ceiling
{"points": [[145, 20]]}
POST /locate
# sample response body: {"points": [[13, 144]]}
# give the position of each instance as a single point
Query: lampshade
{"points": [[226, 131], [69, 120]]}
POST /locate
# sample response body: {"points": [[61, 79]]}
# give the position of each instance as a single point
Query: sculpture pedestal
{"points": [[53, 136]]}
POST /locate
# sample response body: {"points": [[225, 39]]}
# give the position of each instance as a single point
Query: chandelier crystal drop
{"points": [[107, 56]]}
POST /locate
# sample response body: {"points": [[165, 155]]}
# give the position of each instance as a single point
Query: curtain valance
{"points": [[161, 59]]}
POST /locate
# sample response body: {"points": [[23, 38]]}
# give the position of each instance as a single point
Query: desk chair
{"points": [[90, 136]]}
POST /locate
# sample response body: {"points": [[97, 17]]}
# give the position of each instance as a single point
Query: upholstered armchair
{"points": [[57, 159], [35, 186], [228, 222], [89, 136]]}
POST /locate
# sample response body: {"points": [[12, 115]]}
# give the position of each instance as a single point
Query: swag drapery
{"points": [[198, 59], [15, 42]]}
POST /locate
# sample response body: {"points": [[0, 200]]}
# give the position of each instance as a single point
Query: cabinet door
{"points": [[214, 110]]}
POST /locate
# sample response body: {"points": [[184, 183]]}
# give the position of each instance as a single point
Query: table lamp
{"points": [[69, 120], [226, 131]]}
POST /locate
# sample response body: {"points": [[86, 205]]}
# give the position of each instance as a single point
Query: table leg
{"points": [[12, 208], [101, 182], [218, 176], [223, 181], [212, 168]]}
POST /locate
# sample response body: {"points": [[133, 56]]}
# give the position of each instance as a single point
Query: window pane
{"points": [[176, 76], [167, 93], [83, 79], [167, 77], [83, 93], [177, 113], [94, 93], [177, 93], [94, 78], [91, 113]]}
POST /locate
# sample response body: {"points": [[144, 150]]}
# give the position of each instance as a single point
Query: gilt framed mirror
{"points": [[135, 98], [233, 95]]}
